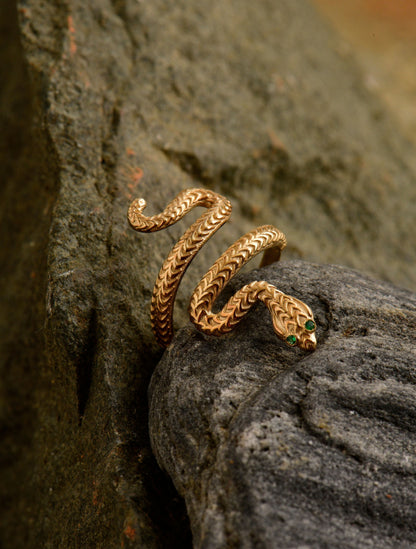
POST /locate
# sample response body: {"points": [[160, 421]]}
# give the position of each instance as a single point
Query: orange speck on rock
{"points": [[389, 496], [137, 174], [257, 153], [24, 11], [71, 29], [279, 83], [85, 78], [275, 141], [95, 500], [130, 532], [33, 274], [130, 152]]}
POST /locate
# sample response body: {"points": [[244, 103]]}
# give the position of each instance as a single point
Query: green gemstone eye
{"points": [[291, 340], [310, 325]]}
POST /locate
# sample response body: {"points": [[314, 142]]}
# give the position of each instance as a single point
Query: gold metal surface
{"points": [[292, 319]]}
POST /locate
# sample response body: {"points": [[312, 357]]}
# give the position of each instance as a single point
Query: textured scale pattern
{"points": [[289, 315]]}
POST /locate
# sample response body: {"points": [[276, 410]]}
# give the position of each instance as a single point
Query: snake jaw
{"points": [[308, 342], [304, 340]]}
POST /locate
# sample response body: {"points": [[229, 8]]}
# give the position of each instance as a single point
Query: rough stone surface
{"points": [[104, 101], [280, 448]]}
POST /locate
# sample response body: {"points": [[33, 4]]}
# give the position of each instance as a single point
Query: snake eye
{"points": [[310, 325], [291, 340]]}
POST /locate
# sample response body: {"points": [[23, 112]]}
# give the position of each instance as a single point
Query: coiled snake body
{"points": [[292, 319]]}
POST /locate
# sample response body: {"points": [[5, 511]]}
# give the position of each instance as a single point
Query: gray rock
{"points": [[280, 448], [108, 100]]}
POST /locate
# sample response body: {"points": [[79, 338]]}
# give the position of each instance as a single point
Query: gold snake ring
{"points": [[293, 321]]}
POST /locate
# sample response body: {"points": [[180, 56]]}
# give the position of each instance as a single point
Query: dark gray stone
{"points": [[108, 100], [280, 448]]}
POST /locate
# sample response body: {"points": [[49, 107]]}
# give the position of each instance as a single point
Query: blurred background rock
{"points": [[383, 34]]}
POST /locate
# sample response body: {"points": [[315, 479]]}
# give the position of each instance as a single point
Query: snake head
{"points": [[305, 339], [294, 324]]}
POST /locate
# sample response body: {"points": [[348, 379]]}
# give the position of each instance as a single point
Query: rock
{"points": [[105, 101], [276, 447]]}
